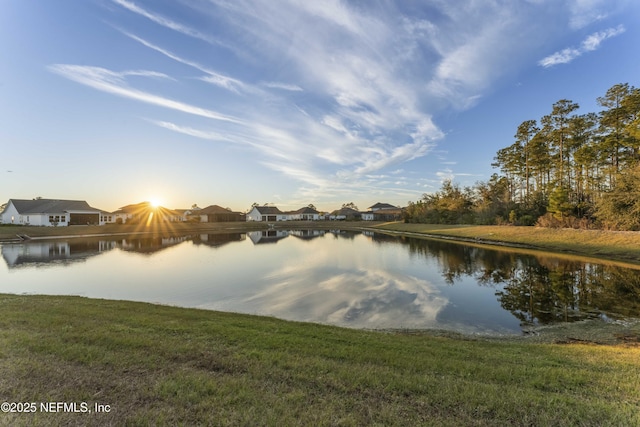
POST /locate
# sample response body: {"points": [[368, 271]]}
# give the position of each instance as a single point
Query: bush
{"points": [[549, 220]]}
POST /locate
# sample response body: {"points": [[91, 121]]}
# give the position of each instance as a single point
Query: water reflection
{"points": [[65, 252], [354, 279], [540, 289]]}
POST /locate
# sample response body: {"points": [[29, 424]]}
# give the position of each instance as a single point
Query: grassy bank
{"points": [[615, 245], [157, 365]]}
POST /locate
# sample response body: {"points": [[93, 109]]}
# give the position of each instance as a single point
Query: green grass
{"points": [[159, 365], [614, 245]]}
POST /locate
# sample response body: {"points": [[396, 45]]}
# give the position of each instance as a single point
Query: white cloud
{"points": [[331, 92], [165, 22], [585, 12], [212, 77], [561, 57], [592, 42], [114, 83], [589, 44], [283, 86]]}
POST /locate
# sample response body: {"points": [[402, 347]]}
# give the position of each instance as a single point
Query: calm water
{"points": [[358, 280]]}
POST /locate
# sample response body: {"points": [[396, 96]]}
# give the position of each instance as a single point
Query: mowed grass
{"points": [[616, 245], [159, 365]]}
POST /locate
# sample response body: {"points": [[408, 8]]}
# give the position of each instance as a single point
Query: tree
{"points": [[350, 205], [631, 103], [613, 121], [524, 135], [620, 207], [557, 124], [450, 205], [559, 204], [312, 206], [493, 203]]}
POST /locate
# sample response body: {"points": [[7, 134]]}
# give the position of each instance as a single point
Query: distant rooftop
{"points": [[40, 206]]}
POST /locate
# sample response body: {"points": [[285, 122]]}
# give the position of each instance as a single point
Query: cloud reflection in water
{"points": [[359, 299]]}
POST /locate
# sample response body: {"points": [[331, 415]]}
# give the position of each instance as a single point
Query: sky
{"points": [[288, 102]]}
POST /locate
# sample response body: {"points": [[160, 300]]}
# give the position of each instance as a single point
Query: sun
{"points": [[154, 202]]}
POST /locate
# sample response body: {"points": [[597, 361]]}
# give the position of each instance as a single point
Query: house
{"points": [[266, 213], [379, 206], [345, 214], [382, 212], [51, 213], [182, 214], [215, 213], [304, 214], [145, 212]]}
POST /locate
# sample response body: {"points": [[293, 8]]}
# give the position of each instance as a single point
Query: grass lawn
{"points": [[159, 365]]}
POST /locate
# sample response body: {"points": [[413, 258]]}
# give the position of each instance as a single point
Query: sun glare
{"points": [[154, 203]]}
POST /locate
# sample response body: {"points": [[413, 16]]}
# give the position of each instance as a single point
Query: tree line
{"points": [[563, 170]]}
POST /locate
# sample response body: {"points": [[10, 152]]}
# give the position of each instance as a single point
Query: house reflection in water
{"points": [[308, 234], [216, 240], [267, 236], [61, 252]]}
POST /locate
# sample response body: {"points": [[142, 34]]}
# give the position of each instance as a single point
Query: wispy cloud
{"points": [[283, 86], [115, 83], [329, 93], [592, 42], [589, 44], [585, 12], [212, 76], [165, 22]]}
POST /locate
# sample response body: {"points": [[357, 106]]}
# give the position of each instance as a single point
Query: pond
{"points": [[346, 278]]}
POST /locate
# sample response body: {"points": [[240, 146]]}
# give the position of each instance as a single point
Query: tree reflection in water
{"points": [[539, 289]]}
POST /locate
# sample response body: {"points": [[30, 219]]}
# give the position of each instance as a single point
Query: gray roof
{"points": [[305, 210], [213, 209], [43, 206], [269, 210], [383, 206], [346, 212]]}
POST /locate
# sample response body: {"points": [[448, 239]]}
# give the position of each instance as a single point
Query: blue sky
{"points": [[288, 102]]}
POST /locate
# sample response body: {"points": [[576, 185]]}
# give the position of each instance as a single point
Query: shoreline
{"points": [[607, 246]]}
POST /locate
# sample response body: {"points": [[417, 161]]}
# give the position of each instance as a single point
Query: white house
{"points": [[215, 213], [49, 212], [304, 214], [345, 214], [382, 212], [367, 216], [267, 213], [379, 206]]}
